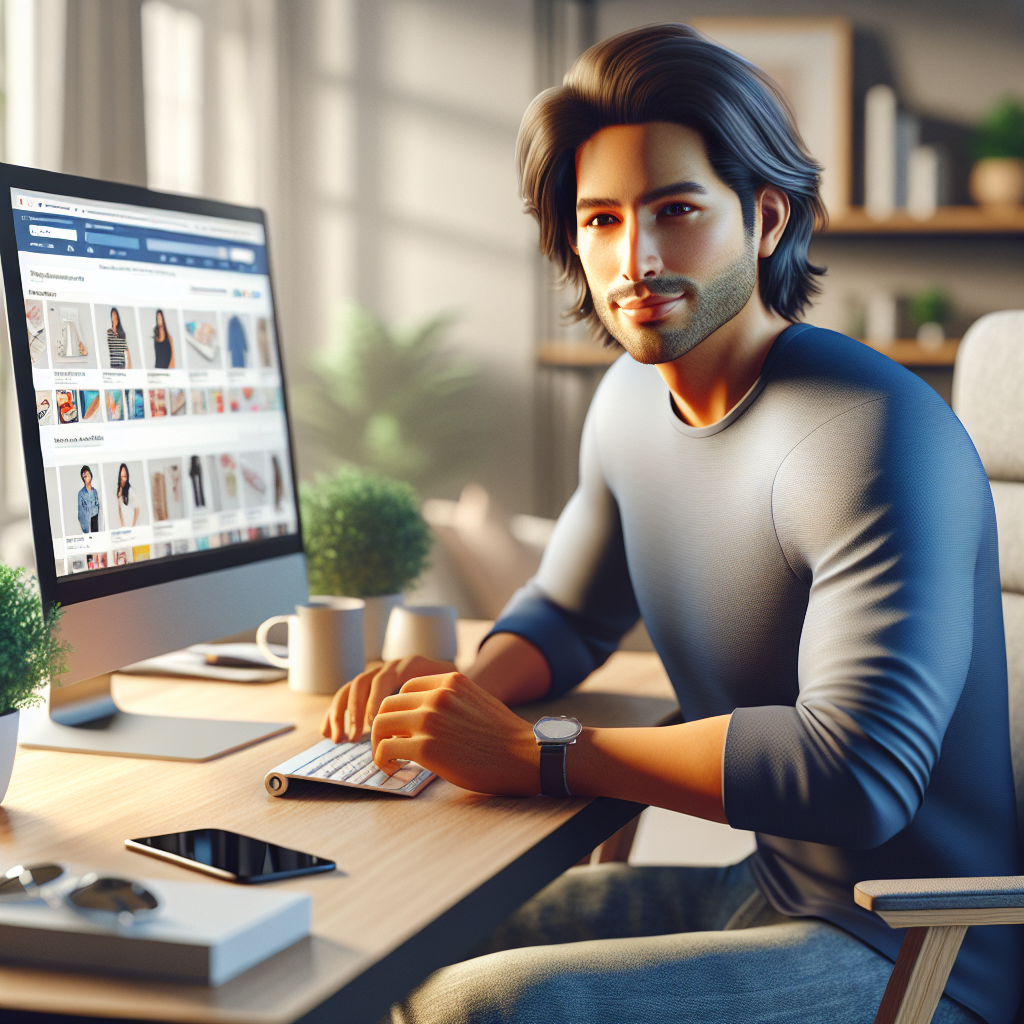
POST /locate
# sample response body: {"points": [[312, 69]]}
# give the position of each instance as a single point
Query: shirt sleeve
{"points": [[885, 512], [581, 602]]}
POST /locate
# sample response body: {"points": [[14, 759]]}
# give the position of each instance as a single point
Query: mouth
{"points": [[651, 309]]}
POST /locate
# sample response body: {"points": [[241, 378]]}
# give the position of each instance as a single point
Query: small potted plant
{"points": [[30, 654], [929, 314], [997, 179], [364, 537]]}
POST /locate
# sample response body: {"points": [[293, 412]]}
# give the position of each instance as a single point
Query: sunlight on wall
{"points": [[172, 64], [238, 138]]}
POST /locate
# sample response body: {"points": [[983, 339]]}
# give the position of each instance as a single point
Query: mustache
{"points": [[666, 284]]}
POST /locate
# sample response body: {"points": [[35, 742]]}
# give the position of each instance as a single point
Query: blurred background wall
{"points": [[379, 135]]}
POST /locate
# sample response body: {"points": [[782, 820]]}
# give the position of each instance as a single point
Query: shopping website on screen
{"points": [[157, 380]]}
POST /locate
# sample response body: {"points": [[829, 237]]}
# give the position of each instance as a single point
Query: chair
{"points": [[988, 396]]}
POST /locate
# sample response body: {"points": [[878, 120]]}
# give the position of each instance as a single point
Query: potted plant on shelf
{"points": [[997, 178], [30, 654], [364, 537]]}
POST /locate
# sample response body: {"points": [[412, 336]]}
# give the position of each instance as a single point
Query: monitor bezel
{"points": [[97, 583]]}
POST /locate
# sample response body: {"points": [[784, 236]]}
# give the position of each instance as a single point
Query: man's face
{"points": [[661, 239]]}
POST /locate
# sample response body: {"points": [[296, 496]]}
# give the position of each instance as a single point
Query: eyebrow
{"points": [[586, 203]]}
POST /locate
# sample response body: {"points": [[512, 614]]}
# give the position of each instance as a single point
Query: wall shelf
{"points": [[910, 352], [947, 220], [576, 354], [569, 355]]}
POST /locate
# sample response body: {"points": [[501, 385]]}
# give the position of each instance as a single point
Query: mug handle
{"points": [[261, 639]]}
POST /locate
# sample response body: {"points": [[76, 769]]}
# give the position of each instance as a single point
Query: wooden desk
{"points": [[420, 881]]}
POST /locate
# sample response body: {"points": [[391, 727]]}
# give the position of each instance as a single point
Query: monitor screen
{"points": [[158, 392]]}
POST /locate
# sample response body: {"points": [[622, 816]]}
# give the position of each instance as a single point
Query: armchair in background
{"points": [[988, 396]]}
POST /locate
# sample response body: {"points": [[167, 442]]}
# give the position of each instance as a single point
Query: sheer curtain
{"points": [[33, 71]]}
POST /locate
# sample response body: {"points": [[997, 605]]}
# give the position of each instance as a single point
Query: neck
{"points": [[713, 376]]}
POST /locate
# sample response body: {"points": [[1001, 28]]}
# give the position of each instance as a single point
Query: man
{"points": [[809, 537]]}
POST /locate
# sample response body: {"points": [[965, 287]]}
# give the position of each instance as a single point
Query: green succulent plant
{"points": [[1001, 133], [395, 402], [363, 534], [932, 306], [30, 653]]}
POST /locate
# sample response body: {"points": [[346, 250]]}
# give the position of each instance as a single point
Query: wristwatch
{"points": [[555, 735]]}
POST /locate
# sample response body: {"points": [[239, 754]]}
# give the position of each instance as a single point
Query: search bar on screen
{"points": [[117, 241], [213, 252], [45, 231]]}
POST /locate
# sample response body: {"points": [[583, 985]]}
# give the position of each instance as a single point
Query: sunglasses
{"points": [[101, 898]]}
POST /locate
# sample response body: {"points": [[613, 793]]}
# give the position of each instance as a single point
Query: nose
{"points": [[639, 255]]}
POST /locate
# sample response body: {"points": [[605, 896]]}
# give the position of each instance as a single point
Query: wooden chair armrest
{"points": [[913, 902]]}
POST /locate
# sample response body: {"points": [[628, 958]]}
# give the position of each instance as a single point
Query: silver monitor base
{"points": [[89, 722]]}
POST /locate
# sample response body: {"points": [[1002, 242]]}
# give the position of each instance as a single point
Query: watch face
{"points": [[557, 729]]}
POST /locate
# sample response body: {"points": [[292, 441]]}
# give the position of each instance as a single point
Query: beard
{"points": [[710, 306]]}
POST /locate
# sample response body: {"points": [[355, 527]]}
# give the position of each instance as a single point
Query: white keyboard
{"points": [[346, 764]]}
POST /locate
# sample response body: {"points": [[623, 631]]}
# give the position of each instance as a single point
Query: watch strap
{"points": [[552, 770]]}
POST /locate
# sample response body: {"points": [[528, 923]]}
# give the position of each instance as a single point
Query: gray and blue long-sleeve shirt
{"points": [[821, 564]]}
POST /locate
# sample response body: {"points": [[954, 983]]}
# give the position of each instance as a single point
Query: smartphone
{"points": [[230, 856]]}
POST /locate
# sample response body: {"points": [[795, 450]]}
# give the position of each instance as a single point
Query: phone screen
{"points": [[230, 856]]}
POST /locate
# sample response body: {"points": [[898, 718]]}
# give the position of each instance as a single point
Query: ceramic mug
{"points": [[375, 619], [325, 644], [428, 630]]}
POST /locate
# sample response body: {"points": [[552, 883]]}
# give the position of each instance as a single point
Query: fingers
{"points": [[394, 674], [332, 725], [390, 754], [358, 702], [386, 682], [434, 682], [355, 711]]}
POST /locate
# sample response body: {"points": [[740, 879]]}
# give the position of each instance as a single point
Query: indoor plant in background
{"points": [[364, 537], [30, 654], [929, 315], [997, 179], [395, 401]]}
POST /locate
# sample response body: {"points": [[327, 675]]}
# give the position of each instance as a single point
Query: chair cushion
{"points": [[987, 386], [1013, 620], [1009, 502]]}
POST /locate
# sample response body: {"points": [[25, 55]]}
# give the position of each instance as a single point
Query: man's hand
{"points": [[354, 706], [453, 727]]}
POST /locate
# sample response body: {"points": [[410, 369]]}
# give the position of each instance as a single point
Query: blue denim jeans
{"points": [[653, 945]]}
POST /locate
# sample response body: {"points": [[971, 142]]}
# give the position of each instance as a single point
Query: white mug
{"points": [[375, 619], [325, 644], [428, 630]]}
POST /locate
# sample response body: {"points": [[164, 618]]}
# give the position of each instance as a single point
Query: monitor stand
{"points": [[84, 718]]}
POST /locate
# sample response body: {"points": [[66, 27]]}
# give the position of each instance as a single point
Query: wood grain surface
{"points": [[401, 862]]}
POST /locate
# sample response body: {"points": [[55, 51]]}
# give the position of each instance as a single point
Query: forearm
{"points": [[678, 767], [511, 669]]}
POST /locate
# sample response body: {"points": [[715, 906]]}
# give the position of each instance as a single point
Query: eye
{"points": [[601, 220], [675, 210]]}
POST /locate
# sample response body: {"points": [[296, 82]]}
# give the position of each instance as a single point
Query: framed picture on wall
{"points": [[811, 60]]}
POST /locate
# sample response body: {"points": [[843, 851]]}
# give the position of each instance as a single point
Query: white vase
{"points": [[375, 622], [8, 748]]}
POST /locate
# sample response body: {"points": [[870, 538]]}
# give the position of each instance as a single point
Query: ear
{"points": [[572, 240], [772, 207]]}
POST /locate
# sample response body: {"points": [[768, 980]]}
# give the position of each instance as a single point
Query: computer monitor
{"points": [[157, 449]]}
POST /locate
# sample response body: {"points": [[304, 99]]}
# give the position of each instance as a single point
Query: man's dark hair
{"points": [[672, 73]]}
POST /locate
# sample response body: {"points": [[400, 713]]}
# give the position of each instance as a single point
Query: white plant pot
{"points": [[8, 748], [375, 622]]}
